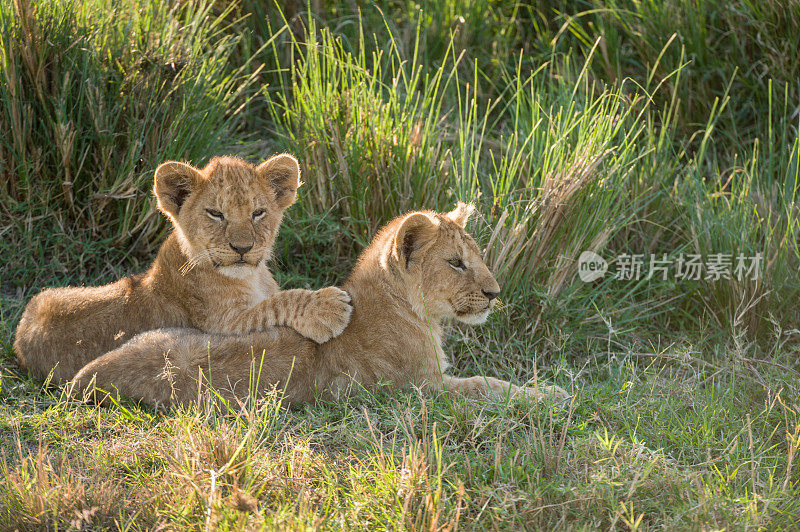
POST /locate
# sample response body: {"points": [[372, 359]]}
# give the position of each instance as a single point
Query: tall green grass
{"points": [[559, 161], [93, 97], [581, 167], [747, 45], [742, 47], [370, 131], [385, 121]]}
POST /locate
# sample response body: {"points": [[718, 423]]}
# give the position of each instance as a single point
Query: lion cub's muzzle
{"points": [[238, 257], [473, 304]]}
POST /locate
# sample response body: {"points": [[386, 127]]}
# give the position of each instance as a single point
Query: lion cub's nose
{"points": [[241, 250], [490, 295]]}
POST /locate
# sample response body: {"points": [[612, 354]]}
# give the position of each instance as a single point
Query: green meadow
{"points": [[661, 135]]}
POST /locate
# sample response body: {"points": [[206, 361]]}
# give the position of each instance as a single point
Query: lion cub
{"points": [[420, 270], [210, 273]]}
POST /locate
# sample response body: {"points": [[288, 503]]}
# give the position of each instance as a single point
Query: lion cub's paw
{"points": [[555, 393], [327, 314]]}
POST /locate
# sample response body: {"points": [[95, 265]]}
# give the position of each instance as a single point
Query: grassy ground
{"points": [[656, 128]]}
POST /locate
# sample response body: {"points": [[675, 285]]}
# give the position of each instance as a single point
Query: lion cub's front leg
{"points": [[316, 314], [319, 315], [478, 387]]}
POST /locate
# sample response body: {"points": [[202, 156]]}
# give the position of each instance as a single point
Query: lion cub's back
{"points": [[64, 328]]}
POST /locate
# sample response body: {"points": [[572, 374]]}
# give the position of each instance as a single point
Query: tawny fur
{"points": [[210, 273], [406, 283]]}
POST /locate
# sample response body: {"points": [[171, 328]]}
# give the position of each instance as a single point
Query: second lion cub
{"points": [[210, 273]]}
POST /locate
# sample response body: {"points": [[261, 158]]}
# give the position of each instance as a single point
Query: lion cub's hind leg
{"points": [[480, 386], [178, 366], [152, 367]]}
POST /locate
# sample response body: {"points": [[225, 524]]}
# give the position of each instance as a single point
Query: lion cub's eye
{"points": [[258, 213], [215, 214], [457, 264]]}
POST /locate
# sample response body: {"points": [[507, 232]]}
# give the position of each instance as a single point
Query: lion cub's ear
{"points": [[283, 174], [174, 182], [461, 213], [416, 231]]}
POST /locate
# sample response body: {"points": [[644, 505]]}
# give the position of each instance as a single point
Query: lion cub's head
{"points": [[441, 264], [227, 215]]}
